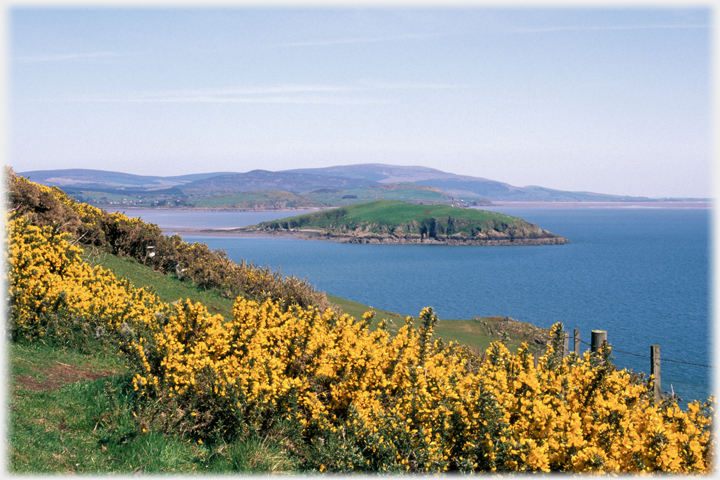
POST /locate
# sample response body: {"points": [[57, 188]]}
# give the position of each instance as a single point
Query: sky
{"points": [[612, 100]]}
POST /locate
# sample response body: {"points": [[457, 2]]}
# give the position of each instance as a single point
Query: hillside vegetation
{"points": [[282, 385], [259, 200], [386, 220]]}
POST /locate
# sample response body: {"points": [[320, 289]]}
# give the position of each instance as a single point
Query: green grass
{"points": [[393, 212], [477, 334], [357, 310], [473, 334], [91, 426], [167, 287], [33, 360]]}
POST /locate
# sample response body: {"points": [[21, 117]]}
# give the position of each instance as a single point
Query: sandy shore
{"points": [[699, 204], [291, 211], [232, 232]]}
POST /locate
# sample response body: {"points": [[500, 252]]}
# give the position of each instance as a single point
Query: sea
{"points": [[641, 274]]}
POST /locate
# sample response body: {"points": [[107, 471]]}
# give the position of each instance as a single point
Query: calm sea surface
{"points": [[641, 274]]}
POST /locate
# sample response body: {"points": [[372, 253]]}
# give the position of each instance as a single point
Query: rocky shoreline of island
{"points": [[541, 238]]}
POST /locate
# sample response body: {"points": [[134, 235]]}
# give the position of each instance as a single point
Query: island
{"points": [[388, 221]]}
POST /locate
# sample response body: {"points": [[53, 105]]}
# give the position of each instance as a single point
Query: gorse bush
{"points": [[369, 401], [50, 287], [346, 398], [131, 237]]}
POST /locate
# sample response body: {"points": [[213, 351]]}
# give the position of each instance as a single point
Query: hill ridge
{"points": [[304, 180]]}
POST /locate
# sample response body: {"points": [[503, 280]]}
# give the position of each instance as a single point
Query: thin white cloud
{"points": [[209, 98], [607, 27], [63, 57], [265, 90], [411, 85], [289, 94], [256, 100], [346, 41]]}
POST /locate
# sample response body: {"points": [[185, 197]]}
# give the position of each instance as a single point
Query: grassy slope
{"points": [[467, 332], [167, 287], [395, 212]]}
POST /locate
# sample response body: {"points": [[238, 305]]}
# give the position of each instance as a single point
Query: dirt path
{"points": [[58, 376]]}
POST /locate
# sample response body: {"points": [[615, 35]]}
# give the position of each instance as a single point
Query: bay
{"points": [[641, 274]]}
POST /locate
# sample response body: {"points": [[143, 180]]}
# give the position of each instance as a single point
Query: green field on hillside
{"points": [[266, 199]]}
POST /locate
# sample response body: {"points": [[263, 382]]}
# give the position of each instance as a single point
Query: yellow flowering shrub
{"points": [[46, 276], [366, 400], [581, 414]]}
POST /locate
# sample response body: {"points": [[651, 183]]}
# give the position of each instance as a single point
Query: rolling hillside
{"points": [[329, 187], [463, 185], [264, 180]]}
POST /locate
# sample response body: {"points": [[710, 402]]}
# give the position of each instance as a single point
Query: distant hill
{"points": [[265, 180], [463, 185], [329, 186], [379, 172], [103, 179]]}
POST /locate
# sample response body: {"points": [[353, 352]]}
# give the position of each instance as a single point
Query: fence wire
{"points": [[647, 356]]}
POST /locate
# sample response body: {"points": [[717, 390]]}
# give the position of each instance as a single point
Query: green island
{"points": [[389, 221]]}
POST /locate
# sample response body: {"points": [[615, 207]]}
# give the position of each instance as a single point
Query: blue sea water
{"points": [[641, 274]]}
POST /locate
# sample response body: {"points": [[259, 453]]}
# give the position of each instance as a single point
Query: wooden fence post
{"points": [[655, 369], [576, 333], [566, 343], [598, 338]]}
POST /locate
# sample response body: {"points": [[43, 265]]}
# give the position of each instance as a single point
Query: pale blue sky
{"points": [[611, 100]]}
